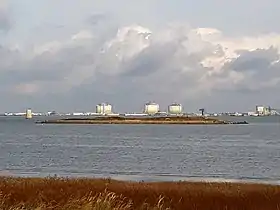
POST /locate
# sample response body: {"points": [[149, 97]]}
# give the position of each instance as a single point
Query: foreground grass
{"points": [[105, 194]]}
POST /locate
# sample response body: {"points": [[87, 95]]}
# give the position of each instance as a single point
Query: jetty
{"points": [[141, 120]]}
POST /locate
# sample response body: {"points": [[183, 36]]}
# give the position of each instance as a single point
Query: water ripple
{"points": [[160, 152]]}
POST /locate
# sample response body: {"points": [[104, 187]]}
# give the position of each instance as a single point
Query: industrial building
{"points": [[28, 114], [151, 108], [104, 108], [175, 109], [263, 111]]}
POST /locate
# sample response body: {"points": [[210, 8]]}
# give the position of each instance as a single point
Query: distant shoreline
{"points": [[177, 120]]}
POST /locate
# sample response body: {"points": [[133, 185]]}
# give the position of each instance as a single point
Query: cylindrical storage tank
{"points": [[175, 109], [28, 114], [107, 109], [99, 109], [151, 108], [104, 108]]}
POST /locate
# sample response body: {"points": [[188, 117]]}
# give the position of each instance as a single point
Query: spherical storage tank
{"points": [[151, 108], [104, 108], [175, 109]]}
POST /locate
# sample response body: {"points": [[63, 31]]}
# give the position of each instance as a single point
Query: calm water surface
{"points": [[142, 152]]}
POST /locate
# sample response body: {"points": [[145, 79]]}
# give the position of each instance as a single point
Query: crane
{"points": [[202, 110]]}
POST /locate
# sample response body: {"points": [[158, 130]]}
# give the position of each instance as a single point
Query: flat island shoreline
{"points": [[107, 194], [179, 120]]}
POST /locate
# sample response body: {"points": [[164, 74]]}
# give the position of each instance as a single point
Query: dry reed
{"points": [[106, 194]]}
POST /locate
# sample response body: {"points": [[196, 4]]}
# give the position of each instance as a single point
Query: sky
{"points": [[69, 55]]}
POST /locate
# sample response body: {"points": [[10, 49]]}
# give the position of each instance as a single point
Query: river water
{"points": [[142, 152]]}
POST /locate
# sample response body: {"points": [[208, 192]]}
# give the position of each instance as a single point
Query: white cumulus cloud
{"points": [[137, 64]]}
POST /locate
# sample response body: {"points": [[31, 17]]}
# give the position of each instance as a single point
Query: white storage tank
{"points": [[260, 109], [104, 108], [175, 108], [151, 108], [28, 114]]}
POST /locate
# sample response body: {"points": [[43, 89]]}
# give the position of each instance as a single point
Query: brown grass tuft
{"points": [[105, 194]]}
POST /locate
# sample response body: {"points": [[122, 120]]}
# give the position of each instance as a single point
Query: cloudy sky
{"points": [[68, 55]]}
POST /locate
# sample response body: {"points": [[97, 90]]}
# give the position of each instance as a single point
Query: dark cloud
{"points": [[5, 20], [260, 68], [257, 60], [95, 19], [150, 60], [44, 67]]}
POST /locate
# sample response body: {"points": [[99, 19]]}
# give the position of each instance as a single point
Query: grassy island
{"points": [[105, 194], [141, 120]]}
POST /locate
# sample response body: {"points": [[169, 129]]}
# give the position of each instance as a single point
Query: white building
{"points": [[175, 109], [151, 108], [104, 108], [28, 114], [262, 110]]}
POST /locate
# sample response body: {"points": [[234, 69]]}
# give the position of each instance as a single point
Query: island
{"points": [[193, 120]]}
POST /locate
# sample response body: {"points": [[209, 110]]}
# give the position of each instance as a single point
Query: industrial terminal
{"points": [[150, 109]]}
